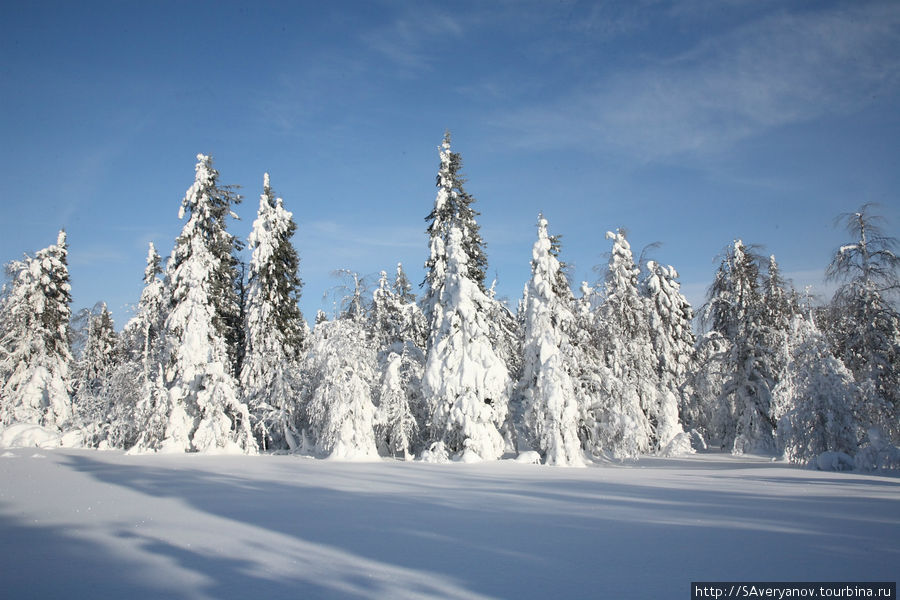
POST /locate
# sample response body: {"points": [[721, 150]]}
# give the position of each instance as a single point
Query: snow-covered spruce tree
{"points": [[398, 328], [631, 423], [814, 402], [736, 310], [142, 422], [100, 353], [703, 389], [143, 334], [550, 403], [402, 286], [452, 208], [466, 385], [864, 324], [672, 338], [275, 331], [35, 356], [780, 305], [339, 374], [91, 376], [205, 410]]}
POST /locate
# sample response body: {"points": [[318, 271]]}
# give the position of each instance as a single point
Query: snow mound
{"points": [[28, 435], [469, 456], [8, 455], [833, 461], [680, 445], [878, 455], [529, 458], [436, 454], [72, 439], [697, 441]]}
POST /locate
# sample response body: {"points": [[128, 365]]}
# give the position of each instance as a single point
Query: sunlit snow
{"points": [[87, 524]]}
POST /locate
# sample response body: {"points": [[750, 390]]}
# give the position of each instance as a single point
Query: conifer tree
{"points": [[672, 338], [399, 334], [142, 370], [550, 401], [815, 402], [93, 373], [624, 342], [466, 385], [339, 378], [865, 326], [402, 286], [736, 310], [275, 329], [452, 208], [205, 411], [100, 354], [35, 356]]}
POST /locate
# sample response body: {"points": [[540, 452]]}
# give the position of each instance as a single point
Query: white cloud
{"points": [[778, 70], [417, 35]]}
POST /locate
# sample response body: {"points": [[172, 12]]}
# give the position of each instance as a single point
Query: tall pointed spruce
{"points": [[452, 208], [551, 408], [275, 330], [206, 413]]}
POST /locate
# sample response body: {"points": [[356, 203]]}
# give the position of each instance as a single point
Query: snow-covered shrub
{"points": [[338, 398], [879, 454], [816, 399]]}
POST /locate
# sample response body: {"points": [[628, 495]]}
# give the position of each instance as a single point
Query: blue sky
{"points": [[688, 123]]}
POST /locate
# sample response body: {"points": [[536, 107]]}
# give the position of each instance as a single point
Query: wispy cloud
{"points": [[415, 36], [312, 90], [776, 71]]}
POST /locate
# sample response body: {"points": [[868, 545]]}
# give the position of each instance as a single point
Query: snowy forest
{"points": [[219, 359]]}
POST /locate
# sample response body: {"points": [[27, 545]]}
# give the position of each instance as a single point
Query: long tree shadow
{"points": [[404, 531]]}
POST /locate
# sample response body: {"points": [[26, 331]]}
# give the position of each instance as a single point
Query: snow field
{"points": [[87, 524]]}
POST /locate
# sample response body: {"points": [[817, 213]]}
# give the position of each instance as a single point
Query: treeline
{"points": [[219, 360]]}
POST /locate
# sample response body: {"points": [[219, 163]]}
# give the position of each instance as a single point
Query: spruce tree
{"points": [[275, 329], [92, 374], [815, 402], [205, 411], [550, 402], [672, 339], [144, 346], [452, 208], [100, 354], [736, 310], [466, 385], [399, 333], [864, 324], [633, 419], [36, 356], [339, 377]]}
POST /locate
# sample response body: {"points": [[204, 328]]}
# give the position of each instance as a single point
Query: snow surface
{"points": [[87, 524]]}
